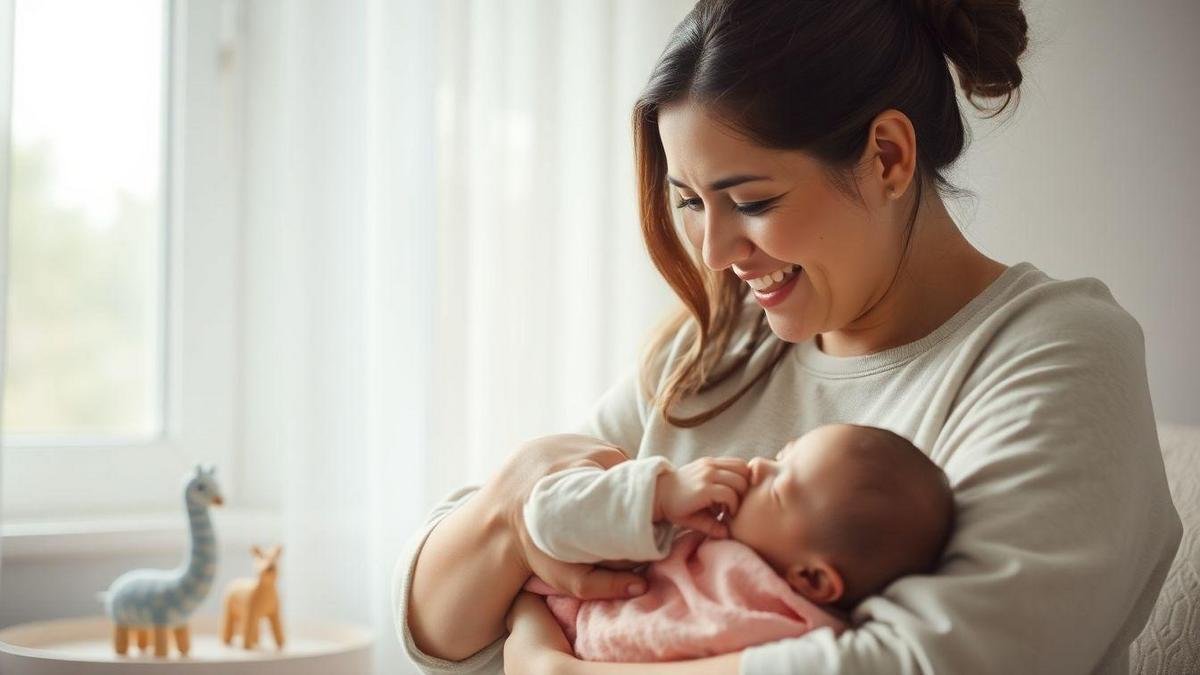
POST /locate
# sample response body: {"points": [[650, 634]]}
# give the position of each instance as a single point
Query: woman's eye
{"points": [[750, 209], [754, 208]]}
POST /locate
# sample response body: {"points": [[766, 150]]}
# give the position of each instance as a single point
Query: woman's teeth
{"points": [[769, 282]]}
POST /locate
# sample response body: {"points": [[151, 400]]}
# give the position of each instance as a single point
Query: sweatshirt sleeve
{"points": [[1065, 527], [588, 514]]}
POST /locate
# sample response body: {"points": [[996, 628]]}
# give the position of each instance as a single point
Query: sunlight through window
{"points": [[87, 283]]}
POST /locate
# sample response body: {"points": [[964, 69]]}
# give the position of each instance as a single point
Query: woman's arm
{"points": [[477, 558], [474, 553], [465, 578]]}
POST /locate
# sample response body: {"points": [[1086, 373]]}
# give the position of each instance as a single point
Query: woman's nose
{"points": [[723, 243]]}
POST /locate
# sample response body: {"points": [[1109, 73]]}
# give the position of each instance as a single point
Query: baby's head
{"points": [[844, 510]]}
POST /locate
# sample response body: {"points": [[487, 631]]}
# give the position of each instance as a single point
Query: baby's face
{"points": [[786, 495]]}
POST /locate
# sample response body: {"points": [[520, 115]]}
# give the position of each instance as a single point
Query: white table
{"points": [[85, 645]]}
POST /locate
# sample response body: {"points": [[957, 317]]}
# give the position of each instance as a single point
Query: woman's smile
{"points": [[777, 293]]}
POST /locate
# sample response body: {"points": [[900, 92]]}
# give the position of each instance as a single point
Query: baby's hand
{"points": [[692, 495]]}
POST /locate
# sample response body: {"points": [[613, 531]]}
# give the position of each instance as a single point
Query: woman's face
{"points": [[790, 214]]}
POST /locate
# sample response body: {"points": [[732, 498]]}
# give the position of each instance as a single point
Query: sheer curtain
{"points": [[6, 51], [442, 259]]}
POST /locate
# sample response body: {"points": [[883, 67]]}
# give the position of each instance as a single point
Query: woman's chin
{"points": [[789, 329]]}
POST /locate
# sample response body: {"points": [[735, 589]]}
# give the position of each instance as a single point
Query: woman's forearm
{"points": [[468, 572]]}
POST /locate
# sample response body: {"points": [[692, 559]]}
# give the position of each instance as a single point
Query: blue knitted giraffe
{"points": [[146, 600]]}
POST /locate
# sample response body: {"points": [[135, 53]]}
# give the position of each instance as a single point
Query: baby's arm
{"points": [[588, 514]]}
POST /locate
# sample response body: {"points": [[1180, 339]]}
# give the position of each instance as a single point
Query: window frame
{"points": [[203, 96]]}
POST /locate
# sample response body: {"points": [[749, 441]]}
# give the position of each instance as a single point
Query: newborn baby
{"points": [[839, 514]]}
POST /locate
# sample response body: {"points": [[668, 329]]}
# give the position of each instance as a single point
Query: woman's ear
{"points": [[817, 581], [891, 151]]}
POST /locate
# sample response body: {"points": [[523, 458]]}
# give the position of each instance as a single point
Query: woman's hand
{"points": [[536, 644], [515, 480]]}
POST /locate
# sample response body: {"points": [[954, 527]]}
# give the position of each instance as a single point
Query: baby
{"points": [[839, 514]]}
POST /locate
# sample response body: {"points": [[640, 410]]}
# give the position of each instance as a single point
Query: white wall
{"points": [[1095, 174]]}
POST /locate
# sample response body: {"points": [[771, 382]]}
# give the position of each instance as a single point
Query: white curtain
{"points": [[6, 62], [442, 259]]}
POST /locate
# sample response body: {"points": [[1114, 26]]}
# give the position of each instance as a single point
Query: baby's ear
{"points": [[817, 581]]}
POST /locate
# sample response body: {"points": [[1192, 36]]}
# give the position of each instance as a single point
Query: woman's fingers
{"points": [[587, 582], [547, 454]]}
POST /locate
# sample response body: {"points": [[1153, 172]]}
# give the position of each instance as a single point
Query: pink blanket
{"points": [[709, 596]]}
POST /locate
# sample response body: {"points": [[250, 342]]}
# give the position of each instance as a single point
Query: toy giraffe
{"points": [[249, 600], [146, 600]]}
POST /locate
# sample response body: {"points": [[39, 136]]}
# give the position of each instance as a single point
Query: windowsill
{"points": [[119, 535]]}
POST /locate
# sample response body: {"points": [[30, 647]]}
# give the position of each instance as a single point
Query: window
{"points": [[123, 250], [86, 218]]}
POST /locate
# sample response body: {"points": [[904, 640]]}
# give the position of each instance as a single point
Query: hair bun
{"points": [[983, 39]]}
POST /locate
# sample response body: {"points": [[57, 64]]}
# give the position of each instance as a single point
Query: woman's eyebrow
{"points": [[720, 184]]}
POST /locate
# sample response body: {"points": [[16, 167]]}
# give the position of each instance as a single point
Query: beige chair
{"points": [[1170, 643]]}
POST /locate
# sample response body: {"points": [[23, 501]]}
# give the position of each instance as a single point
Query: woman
{"points": [[803, 143]]}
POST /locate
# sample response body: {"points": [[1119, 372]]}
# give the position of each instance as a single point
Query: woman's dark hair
{"points": [[808, 75]]}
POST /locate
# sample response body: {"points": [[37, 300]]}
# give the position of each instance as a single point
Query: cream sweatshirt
{"points": [[1033, 398]]}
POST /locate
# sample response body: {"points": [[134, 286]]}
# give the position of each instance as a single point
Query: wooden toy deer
{"points": [[249, 600], [146, 600]]}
